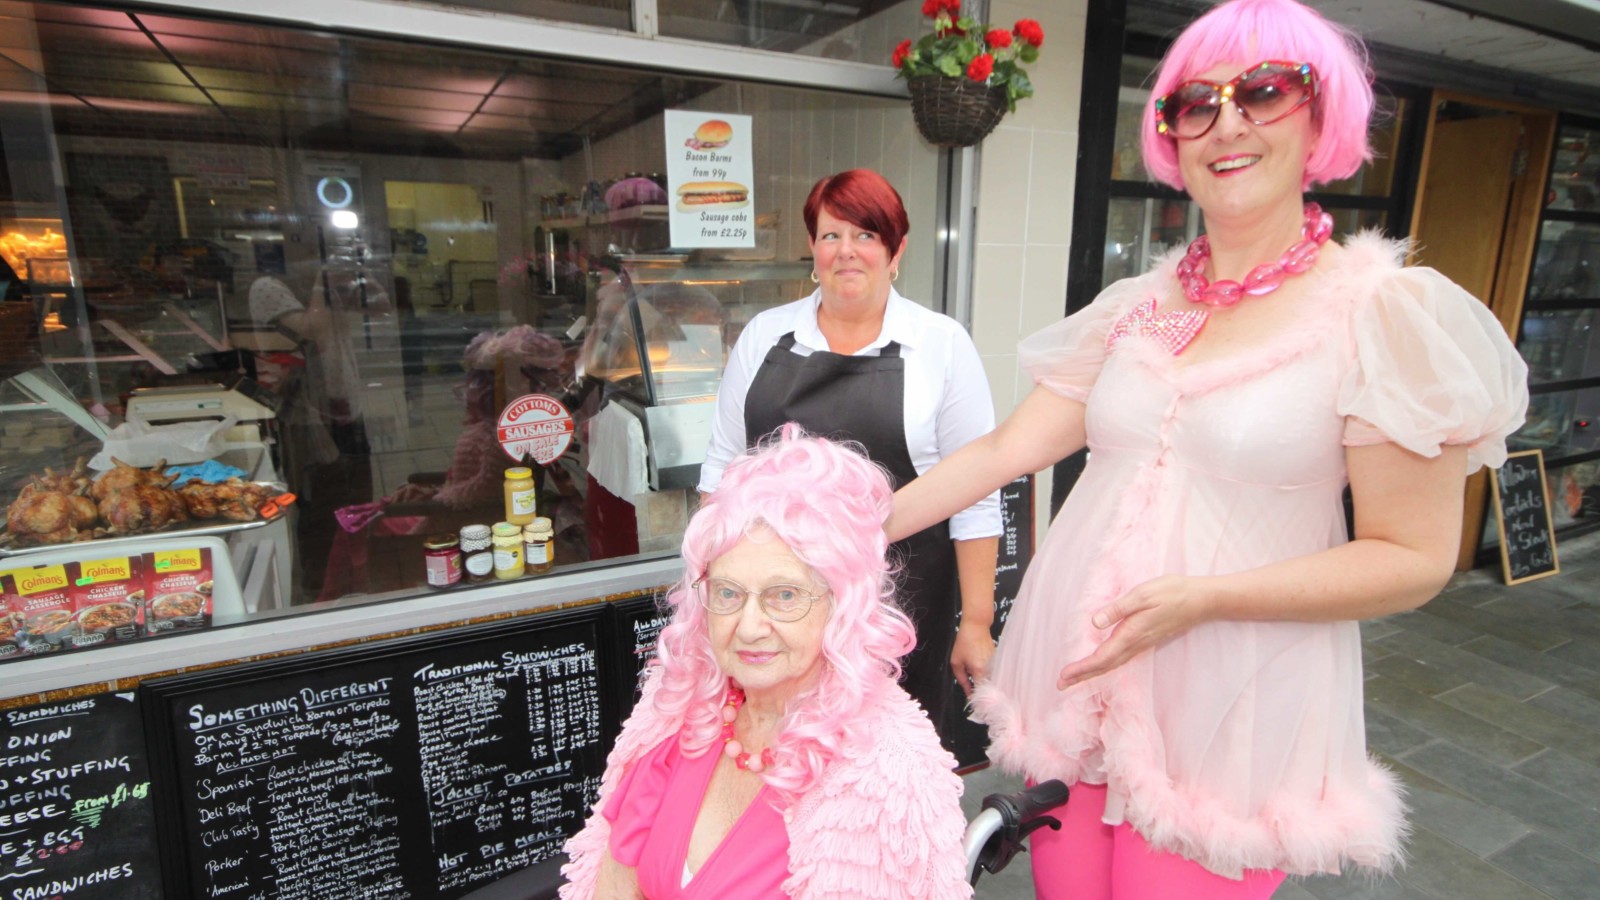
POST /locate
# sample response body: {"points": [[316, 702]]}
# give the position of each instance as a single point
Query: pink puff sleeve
{"points": [[1065, 357], [635, 804], [1432, 366]]}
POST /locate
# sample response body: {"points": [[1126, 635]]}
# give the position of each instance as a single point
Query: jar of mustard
{"points": [[519, 495]]}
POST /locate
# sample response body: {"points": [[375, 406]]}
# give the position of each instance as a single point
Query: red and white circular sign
{"points": [[536, 427]]}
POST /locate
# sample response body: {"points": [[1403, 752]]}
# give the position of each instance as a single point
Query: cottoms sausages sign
{"points": [[535, 427]]}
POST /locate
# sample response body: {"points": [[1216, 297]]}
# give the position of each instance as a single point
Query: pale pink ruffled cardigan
{"points": [[884, 821]]}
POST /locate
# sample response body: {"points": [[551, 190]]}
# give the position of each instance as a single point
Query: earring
{"points": [[895, 275], [814, 278]]}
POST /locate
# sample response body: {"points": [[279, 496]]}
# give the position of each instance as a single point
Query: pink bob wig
{"points": [[863, 198], [827, 503], [1249, 31]]}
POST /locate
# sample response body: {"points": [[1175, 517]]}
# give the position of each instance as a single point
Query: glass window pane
{"points": [[1566, 265], [1559, 345], [1140, 231], [385, 244], [1563, 423], [1575, 173], [863, 31], [605, 13], [1133, 92], [1376, 178]]}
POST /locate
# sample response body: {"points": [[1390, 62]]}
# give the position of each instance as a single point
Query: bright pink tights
{"points": [[1090, 860]]}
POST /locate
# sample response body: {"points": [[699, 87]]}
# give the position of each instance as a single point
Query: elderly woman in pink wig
{"points": [[773, 753], [1185, 649]]}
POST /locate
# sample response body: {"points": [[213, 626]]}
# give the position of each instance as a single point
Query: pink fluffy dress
{"points": [[1239, 745]]}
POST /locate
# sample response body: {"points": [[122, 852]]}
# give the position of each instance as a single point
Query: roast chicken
{"points": [[232, 499], [56, 508], [140, 508], [123, 476]]}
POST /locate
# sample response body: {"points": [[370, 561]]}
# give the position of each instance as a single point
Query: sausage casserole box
{"points": [[178, 589], [40, 600], [108, 599]]}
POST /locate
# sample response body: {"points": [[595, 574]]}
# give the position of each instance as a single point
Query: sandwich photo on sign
{"points": [[711, 134], [712, 195]]}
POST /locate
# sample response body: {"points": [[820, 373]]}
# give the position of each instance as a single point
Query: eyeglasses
{"points": [[1264, 94], [781, 602]]}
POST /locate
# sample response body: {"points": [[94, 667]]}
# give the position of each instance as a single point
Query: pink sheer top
{"points": [[652, 814]]}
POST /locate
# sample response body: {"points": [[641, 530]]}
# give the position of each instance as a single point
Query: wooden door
{"points": [[1476, 221], [1466, 190]]}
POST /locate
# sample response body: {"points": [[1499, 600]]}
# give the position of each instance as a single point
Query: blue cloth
{"points": [[209, 471]]}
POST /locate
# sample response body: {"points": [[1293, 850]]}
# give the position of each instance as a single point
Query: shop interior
{"points": [[333, 261]]}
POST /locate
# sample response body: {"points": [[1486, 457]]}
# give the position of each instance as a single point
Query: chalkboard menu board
{"points": [[1522, 509], [76, 816], [414, 768], [967, 739], [639, 624]]}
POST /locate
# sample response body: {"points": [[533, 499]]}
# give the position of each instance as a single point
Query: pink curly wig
{"points": [[828, 503], [1249, 31]]}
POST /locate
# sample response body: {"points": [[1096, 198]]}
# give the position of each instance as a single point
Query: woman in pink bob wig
{"points": [[852, 795], [1249, 30]]}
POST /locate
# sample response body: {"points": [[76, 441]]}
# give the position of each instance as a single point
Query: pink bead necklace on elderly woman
{"points": [[731, 747], [1177, 329]]}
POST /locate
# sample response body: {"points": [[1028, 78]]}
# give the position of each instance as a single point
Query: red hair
{"points": [[863, 198]]}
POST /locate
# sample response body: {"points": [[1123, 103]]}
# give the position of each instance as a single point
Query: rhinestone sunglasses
{"points": [[1264, 93]]}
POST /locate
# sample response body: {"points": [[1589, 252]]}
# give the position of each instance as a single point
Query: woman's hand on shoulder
{"points": [[1142, 619]]}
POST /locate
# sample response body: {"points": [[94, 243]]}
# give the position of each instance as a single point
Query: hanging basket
{"points": [[955, 112]]}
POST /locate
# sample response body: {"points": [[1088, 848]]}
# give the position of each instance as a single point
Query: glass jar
{"points": [[519, 495], [477, 553], [442, 558], [538, 546], [507, 551]]}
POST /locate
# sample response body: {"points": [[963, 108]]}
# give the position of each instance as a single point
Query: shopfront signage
{"points": [[710, 179], [1522, 510], [535, 427], [76, 815], [419, 767]]}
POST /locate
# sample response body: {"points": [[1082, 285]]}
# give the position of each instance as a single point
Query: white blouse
{"points": [[947, 402]]}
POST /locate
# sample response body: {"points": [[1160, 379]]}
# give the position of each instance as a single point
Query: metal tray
{"points": [[192, 529]]}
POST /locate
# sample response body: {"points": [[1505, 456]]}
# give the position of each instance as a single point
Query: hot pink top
{"points": [[652, 814]]}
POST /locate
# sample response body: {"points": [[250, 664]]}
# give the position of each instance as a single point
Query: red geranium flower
{"points": [[931, 8], [1030, 30], [998, 38], [901, 51], [981, 67]]}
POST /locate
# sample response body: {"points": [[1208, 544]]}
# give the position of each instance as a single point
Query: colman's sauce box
{"points": [[178, 590], [108, 597], [43, 597]]}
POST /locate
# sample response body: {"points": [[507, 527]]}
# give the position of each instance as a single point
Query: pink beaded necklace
{"points": [[730, 744], [1175, 330], [1263, 279]]}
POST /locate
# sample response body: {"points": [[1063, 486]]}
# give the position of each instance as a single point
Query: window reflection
{"points": [[380, 246]]}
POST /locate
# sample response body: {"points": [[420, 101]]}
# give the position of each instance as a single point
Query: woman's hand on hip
{"points": [[969, 661], [1142, 619]]}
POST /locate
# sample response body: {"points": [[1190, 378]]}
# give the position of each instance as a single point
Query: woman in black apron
{"points": [[857, 226]]}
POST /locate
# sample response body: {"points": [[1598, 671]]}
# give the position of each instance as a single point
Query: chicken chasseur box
{"points": [[108, 599], [178, 587]]}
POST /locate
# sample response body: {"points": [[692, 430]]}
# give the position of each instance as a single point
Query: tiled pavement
{"points": [[1487, 703]]}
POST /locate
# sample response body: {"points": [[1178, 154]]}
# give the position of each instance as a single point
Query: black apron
{"points": [[862, 399]]}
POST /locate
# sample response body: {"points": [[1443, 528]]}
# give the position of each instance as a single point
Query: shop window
{"points": [[1559, 345], [605, 13], [1561, 423], [855, 30], [362, 252], [1566, 265]]}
